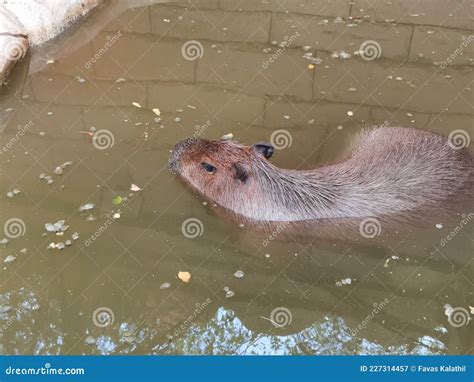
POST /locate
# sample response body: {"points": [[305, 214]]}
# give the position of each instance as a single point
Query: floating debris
{"points": [[117, 200], [439, 226], [227, 137], [90, 340], [4, 241], [119, 80], [56, 227], [136, 104], [68, 243], [342, 54], [24, 251], [352, 90], [156, 111], [350, 113], [441, 329], [346, 281], [116, 215], [10, 259], [134, 188], [75, 236], [184, 276], [86, 207], [165, 286], [239, 274]]}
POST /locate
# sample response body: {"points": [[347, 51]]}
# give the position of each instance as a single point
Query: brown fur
{"points": [[392, 171]]}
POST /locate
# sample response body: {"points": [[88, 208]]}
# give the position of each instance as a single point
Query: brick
{"points": [[457, 14], [432, 91], [334, 77], [439, 44], [209, 24], [331, 37], [326, 8], [232, 66], [227, 111], [68, 91], [399, 117], [142, 57]]}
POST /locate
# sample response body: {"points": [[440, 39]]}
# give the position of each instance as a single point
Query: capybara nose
{"points": [[176, 153]]}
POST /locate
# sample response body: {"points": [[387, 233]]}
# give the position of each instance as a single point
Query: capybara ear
{"points": [[264, 148], [240, 172]]}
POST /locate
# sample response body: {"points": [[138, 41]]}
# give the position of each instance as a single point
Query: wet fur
{"points": [[391, 171]]}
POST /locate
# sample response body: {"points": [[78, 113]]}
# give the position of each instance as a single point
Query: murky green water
{"points": [[115, 290]]}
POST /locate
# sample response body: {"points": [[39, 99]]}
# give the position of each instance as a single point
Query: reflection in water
{"points": [[293, 293]]}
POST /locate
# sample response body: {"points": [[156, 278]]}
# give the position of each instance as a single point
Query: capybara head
{"points": [[222, 170]]}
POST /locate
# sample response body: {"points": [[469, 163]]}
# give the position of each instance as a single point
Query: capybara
{"points": [[390, 171]]}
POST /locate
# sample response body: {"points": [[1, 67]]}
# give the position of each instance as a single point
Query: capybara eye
{"points": [[208, 167]]}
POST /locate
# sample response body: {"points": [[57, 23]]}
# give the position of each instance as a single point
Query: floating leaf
{"points": [[184, 276], [117, 200]]}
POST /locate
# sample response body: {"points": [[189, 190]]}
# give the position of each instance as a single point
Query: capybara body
{"points": [[391, 171]]}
